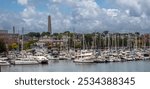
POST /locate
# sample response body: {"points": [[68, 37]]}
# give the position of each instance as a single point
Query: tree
{"points": [[2, 46], [28, 45], [105, 32], [34, 34], [14, 46], [67, 32], [45, 34], [78, 45], [137, 33], [89, 39]]}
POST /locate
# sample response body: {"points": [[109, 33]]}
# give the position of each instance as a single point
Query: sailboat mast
{"points": [[115, 42], [83, 42], [149, 40], [18, 40], [108, 42], [22, 39]]}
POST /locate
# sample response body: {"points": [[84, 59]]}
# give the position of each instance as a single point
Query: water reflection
{"points": [[69, 66]]}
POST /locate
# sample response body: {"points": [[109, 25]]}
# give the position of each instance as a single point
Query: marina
{"points": [[42, 56], [105, 50], [25, 48], [40, 60]]}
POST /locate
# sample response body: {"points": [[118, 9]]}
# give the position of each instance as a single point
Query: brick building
{"points": [[8, 38]]}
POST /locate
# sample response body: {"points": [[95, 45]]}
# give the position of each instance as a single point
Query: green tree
{"points": [[34, 34], [137, 33], [14, 46], [89, 40], [105, 32], [28, 45], [45, 34], [2, 46], [78, 45]]}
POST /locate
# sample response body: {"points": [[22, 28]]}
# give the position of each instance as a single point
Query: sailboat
{"points": [[84, 56], [3, 61], [23, 58]]}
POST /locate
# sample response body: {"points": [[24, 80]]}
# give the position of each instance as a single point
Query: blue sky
{"points": [[12, 5], [81, 15]]}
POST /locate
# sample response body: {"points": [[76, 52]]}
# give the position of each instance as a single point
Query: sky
{"points": [[81, 16]]}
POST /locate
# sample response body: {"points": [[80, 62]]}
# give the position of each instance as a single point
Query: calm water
{"points": [[69, 66]]}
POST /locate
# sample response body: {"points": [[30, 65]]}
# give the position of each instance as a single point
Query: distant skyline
{"points": [[76, 15]]}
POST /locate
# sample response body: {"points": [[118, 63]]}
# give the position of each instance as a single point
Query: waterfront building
{"points": [[51, 41], [9, 38]]}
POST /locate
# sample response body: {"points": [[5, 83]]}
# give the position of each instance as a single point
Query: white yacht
{"points": [[40, 58], [3, 61], [84, 56], [24, 61], [145, 55], [115, 57], [128, 56], [51, 57], [64, 56], [100, 59], [139, 56]]}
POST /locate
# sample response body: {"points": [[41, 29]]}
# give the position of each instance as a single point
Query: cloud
{"points": [[10, 19], [22, 2], [136, 7], [82, 16], [28, 12]]}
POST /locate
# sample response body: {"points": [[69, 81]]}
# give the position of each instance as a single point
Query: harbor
{"points": [[21, 47], [74, 48], [84, 60]]}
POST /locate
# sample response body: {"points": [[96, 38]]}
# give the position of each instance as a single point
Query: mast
{"points": [[83, 42], [144, 42], [100, 42], [122, 42], [105, 42], [18, 41], [115, 42], [112, 41], [22, 38], [108, 42], [136, 43], [149, 40], [95, 46], [74, 41], [129, 45]]}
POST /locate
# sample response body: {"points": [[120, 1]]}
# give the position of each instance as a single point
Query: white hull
{"points": [[49, 57], [52, 58], [83, 60], [64, 58], [4, 63], [25, 62]]}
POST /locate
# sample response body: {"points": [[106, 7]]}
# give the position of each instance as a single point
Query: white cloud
{"points": [[112, 12], [23, 2], [28, 12], [88, 16], [83, 16], [135, 7]]}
